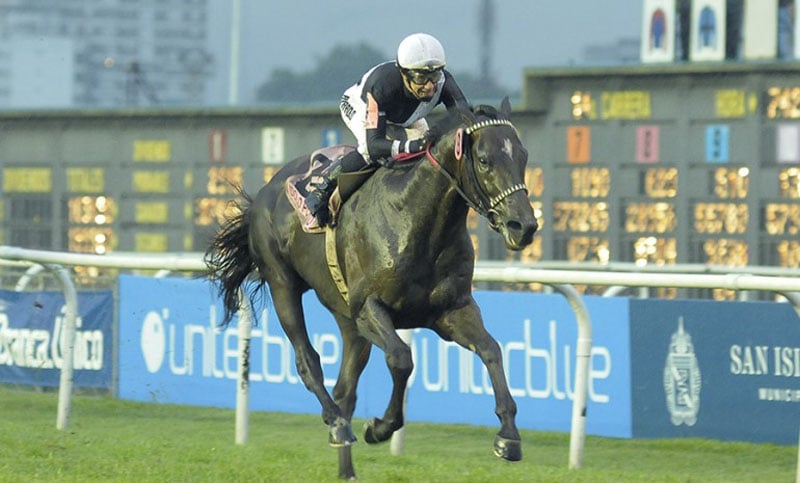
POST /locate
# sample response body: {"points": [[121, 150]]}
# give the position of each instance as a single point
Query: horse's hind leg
{"points": [[355, 355], [288, 305], [465, 327]]}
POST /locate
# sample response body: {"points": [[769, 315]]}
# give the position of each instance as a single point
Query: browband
{"points": [[489, 122]]}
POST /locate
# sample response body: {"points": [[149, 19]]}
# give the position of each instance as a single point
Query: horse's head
{"points": [[486, 158]]}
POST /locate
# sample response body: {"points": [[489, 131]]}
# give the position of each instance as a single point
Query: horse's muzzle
{"points": [[517, 233]]}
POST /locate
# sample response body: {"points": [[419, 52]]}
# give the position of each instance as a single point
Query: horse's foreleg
{"points": [[375, 323], [465, 327], [290, 313]]}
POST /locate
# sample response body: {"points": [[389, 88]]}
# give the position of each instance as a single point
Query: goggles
{"points": [[422, 77]]}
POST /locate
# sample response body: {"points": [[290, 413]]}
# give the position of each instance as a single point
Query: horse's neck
{"points": [[431, 196]]}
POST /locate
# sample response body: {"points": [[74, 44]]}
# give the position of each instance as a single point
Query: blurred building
{"points": [[621, 51], [103, 53]]}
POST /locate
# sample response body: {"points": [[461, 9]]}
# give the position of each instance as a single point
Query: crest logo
{"points": [[682, 379]]}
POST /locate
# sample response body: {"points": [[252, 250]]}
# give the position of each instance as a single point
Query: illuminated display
{"points": [[151, 212], [209, 211], [579, 144], [789, 253], [588, 249], [158, 151], [534, 180], [150, 242], [590, 182], [660, 182], [782, 218], [580, 216], [717, 218], [150, 181], [731, 183], [583, 106], [85, 180], [615, 105], [783, 103], [91, 239], [730, 103], [625, 105], [658, 251], [644, 217], [223, 180], [724, 251], [27, 180], [96, 210], [789, 183]]}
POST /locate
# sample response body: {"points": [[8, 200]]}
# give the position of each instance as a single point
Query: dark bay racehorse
{"points": [[407, 258]]}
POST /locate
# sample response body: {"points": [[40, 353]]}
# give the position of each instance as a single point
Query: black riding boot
{"points": [[319, 193]]}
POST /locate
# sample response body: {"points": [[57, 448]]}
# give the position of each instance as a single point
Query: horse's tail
{"points": [[228, 257]]}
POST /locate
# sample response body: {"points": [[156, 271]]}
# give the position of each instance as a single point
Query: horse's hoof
{"points": [[373, 433], [369, 432], [341, 433], [508, 449]]}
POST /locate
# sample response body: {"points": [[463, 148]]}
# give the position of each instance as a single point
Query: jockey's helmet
{"points": [[420, 52]]}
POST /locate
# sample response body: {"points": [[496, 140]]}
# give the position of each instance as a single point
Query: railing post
{"points": [[243, 379], [583, 354], [67, 344]]}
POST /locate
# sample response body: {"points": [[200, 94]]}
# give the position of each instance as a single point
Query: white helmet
{"points": [[420, 52]]}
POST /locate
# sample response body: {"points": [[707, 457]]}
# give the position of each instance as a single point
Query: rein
{"points": [[484, 199]]}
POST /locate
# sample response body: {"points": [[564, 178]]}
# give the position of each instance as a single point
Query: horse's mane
{"points": [[458, 117]]}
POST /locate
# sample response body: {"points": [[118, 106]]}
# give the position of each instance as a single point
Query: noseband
{"points": [[485, 204]]}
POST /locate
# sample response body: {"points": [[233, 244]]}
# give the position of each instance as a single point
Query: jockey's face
{"points": [[420, 84]]}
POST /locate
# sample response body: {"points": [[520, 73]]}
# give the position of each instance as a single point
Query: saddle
{"points": [[321, 162]]}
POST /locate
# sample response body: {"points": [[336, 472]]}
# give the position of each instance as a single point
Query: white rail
{"points": [[561, 279]]}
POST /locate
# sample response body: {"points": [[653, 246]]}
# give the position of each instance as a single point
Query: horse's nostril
{"points": [[514, 225]]}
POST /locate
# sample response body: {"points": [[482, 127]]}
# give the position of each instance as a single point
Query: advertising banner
{"points": [[31, 327], [721, 370], [172, 350]]}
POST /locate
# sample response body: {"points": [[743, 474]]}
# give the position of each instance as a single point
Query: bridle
{"points": [[485, 204]]}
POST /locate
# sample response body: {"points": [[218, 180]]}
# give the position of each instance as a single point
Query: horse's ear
{"points": [[505, 108]]}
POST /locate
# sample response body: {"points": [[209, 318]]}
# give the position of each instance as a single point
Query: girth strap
{"points": [[333, 263]]}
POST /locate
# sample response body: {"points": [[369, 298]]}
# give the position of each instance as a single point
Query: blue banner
{"points": [[172, 350], [31, 327], [721, 370]]}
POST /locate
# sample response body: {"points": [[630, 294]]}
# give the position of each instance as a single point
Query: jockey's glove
{"points": [[416, 145]]}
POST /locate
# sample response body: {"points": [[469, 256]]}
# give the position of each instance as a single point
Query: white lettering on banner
{"points": [[746, 360], [36, 348], [534, 358], [749, 360], [787, 361], [539, 376]]}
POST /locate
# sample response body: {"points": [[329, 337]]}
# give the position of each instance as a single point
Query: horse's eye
{"points": [[483, 160]]}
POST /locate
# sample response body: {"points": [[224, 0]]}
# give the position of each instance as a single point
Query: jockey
{"points": [[399, 93]]}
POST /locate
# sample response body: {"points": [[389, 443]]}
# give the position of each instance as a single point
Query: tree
{"points": [[333, 74], [342, 67]]}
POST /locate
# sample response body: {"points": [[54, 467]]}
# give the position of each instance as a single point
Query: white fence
{"points": [[784, 282]]}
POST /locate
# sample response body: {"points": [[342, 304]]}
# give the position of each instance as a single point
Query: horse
{"points": [[405, 258]]}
